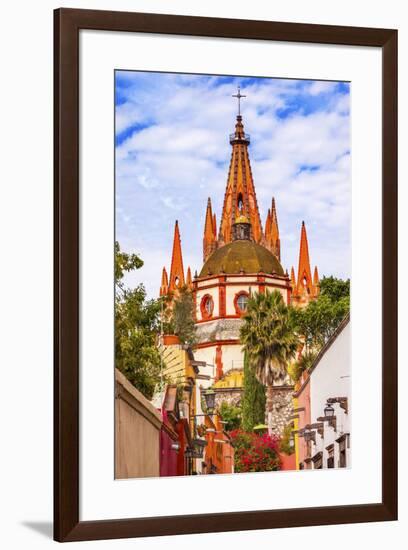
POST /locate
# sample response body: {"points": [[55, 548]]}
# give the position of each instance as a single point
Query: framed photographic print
{"points": [[225, 275]]}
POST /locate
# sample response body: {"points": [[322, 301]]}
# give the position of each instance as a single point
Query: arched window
{"points": [[240, 203], [305, 286], [207, 306], [241, 302]]}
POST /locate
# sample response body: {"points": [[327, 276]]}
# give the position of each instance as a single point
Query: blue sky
{"points": [[172, 153]]}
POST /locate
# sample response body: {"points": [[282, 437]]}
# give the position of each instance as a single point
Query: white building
{"points": [[324, 419]]}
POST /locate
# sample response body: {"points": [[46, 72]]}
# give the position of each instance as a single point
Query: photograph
{"points": [[202, 238], [232, 274]]}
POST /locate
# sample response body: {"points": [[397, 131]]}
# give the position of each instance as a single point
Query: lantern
{"points": [[209, 397], [328, 410]]}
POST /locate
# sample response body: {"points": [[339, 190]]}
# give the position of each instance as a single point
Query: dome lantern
{"points": [[241, 229]]}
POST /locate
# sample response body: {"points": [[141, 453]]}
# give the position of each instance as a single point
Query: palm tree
{"points": [[269, 340]]}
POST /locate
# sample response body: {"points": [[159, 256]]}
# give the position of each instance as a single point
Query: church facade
{"points": [[239, 258]]}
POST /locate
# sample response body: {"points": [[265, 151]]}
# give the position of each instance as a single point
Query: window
{"points": [[240, 203], [308, 449], [207, 306], [342, 454], [330, 456], [241, 302], [318, 461]]}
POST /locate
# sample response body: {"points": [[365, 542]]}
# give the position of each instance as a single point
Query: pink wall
{"points": [[168, 456], [288, 462], [304, 416]]}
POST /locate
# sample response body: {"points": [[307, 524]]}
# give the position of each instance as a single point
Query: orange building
{"points": [[239, 258], [219, 452]]}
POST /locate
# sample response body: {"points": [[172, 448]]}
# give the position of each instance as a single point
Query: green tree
{"points": [[334, 288], [136, 327], [253, 399], [270, 341], [230, 414], [319, 320], [124, 263], [182, 317]]}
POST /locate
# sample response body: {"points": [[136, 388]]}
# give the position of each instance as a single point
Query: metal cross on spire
{"points": [[238, 96]]}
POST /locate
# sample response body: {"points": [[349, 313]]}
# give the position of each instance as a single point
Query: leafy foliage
{"points": [[334, 288], [230, 414], [284, 445], [255, 453], [268, 336], [124, 263], [319, 320], [136, 326], [304, 362], [182, 317], [253, 399]]}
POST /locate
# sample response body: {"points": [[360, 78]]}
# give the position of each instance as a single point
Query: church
{"points": [[240, 258]]}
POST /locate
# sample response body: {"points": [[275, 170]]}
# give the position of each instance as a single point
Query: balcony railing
{"points": [[241, 137]]}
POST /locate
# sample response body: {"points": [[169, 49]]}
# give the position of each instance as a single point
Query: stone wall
{"points": [[282, 408], [220, 329], [137, 432], [232, 396], [282, 404]]}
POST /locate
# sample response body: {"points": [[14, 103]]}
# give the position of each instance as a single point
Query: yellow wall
{"points": [[177, 367], [296, 427]]}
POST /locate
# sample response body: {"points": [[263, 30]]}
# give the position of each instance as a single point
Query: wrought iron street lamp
{"points": [[328, 410], [329, 416], [209, 397]]}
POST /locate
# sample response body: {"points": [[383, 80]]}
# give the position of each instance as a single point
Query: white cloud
{"points": [[321, 87], [178, 155]]}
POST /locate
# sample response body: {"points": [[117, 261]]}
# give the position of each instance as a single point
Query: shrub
{"points": [[255, 453], [231, 415], [284, 445]]}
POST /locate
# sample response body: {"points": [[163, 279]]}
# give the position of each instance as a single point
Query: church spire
{"points": [[316, 282], [240, 197], [272, 231], [189, 279], [268, 226], [209, 240], [176, 271], [164, 287], [292, 279], [305, 286]]}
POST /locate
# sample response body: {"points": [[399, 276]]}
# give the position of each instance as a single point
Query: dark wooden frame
{"points": [[67, 23]]}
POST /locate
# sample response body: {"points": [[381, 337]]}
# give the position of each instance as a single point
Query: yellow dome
{"points": [[241, 256], [234, 378], [241, 219]]}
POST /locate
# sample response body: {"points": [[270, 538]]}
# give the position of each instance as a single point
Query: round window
{"points": [[242, 302], [207, 306]]}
